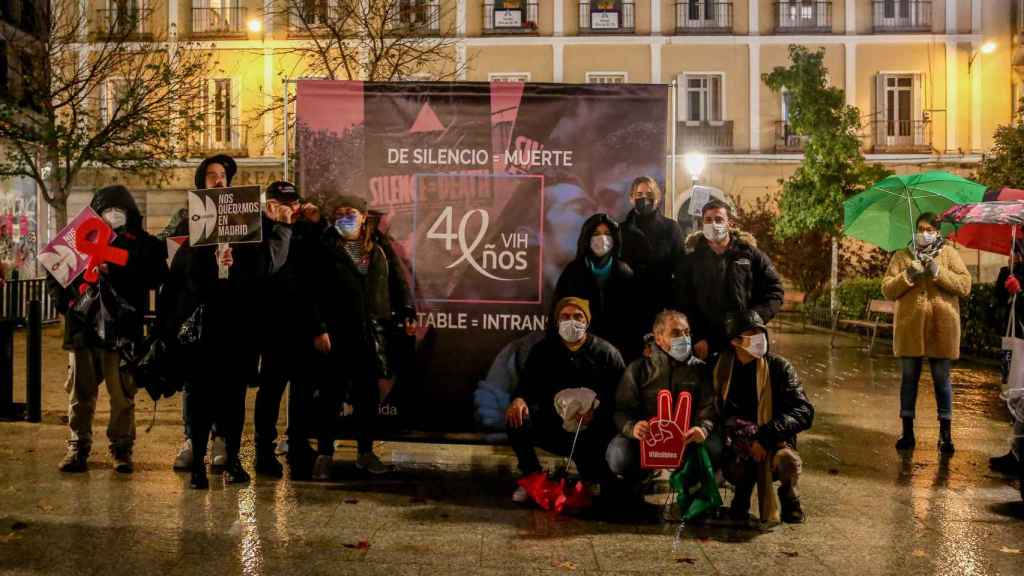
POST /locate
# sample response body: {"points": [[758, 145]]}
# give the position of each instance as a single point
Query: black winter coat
{"points": [[651, 245], [792, 412], [552, 367], [613, 309], [1003, 299], [145, 270], [719, 293], [346, 303], [291, 322]]}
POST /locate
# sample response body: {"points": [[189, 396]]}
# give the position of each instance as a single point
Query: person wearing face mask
{"points": [[1008, 285], [762, 408], [600, 277], [361, 296], [927, 281], [670, 366], [724, 281], [651, 245], [568, 357], [97, 348]]}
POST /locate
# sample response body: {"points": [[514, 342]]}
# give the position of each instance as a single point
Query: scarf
{"points": [[767, 499], [601, 273], [929, 252]]}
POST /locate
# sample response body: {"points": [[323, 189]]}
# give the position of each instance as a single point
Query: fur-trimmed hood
{"points": [[739, 236]]}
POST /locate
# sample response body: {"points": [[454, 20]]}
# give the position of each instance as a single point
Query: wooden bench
{"points": [[874, 314], [793, 306]]}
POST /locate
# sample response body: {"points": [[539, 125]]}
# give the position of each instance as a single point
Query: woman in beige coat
{"points": [[927, 284]]}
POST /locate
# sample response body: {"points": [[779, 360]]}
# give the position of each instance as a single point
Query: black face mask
{"points": [[644, 206]]}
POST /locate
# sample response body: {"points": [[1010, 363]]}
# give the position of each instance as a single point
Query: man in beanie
{"points": [[99, 338], [568, 357], [763, 408], [288, 343], [361, 302]]}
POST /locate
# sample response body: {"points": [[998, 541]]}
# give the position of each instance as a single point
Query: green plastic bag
{"points": [[694, 483]]}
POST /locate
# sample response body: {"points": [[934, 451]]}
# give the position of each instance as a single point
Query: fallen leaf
{"points": [[919, 553], [45, 507], [10, 537], [564, 565], [686, 561], [19, 526], [833, 471], [361, 545], [351, 501], [1006, 550], [790, 554]]}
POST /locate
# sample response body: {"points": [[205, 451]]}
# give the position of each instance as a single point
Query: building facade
{"points": [[929, 95]]}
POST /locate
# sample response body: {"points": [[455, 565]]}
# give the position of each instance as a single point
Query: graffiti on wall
{"points": [[18, 226]]}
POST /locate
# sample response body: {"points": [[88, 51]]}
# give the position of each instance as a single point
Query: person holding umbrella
{"points": [[926, 280]]}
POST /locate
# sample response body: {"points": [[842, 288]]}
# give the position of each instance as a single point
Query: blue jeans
{"points": [[943, 387]]}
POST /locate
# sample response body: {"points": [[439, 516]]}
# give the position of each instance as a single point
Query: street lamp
{"points": [[695, 163], [255, 25], [986, 48]]}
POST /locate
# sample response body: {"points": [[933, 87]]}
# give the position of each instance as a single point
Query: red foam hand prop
{"points": [[93, 239], [663, 447], [1012, 285], [544, 491]]}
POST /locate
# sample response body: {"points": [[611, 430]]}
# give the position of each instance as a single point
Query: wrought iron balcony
{"points": [[803, 17], [422, 16], [511, 17], [606, 17], [902, 136], [786, 140], [902, 16], [706, 137], [219, 21], [313, 16], [703, 17], [124, 22]]}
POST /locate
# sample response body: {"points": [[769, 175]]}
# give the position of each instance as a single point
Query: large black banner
{"points": [[484, 188]]}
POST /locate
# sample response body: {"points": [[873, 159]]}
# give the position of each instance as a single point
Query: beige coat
{"points": [[927, 311]]}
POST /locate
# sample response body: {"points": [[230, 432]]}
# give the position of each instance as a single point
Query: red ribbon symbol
{"points": [[92, 238]]}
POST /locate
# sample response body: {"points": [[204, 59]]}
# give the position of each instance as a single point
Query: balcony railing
{"points": [[705, 137], [903, 136], [423, 16], [314, 16], [223, 138], [508, 20], [802, 17], [786, 140], [703, 17], [134, 22], [219, 21], [902, 16], [606, 17]]}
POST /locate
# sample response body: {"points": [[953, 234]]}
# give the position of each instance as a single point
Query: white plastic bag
{"points": [[571, 403]]}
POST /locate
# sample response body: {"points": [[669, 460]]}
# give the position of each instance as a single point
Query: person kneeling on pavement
{"points": [[567, 357], [670, 366], [763, 407]]}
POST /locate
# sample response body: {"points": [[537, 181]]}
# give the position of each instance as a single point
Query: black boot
{"points": [[266, 464], [907, 441], [792, 512], [234, 473], [199, 480], [946, 437], [1006, 464]]}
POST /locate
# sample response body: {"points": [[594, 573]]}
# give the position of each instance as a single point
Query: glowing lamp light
{"points": [[988, 47], [695, 162], [255, 25]]}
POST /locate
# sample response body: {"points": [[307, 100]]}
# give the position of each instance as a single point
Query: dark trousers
{"points": [[360, 389], [278, 369], [218, 395], [911, 374], [544, 430], [623, 456]]}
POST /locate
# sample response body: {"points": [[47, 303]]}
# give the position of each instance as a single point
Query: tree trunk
{"points": [[834, 276]]}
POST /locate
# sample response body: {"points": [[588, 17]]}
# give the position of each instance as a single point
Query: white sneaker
{"points": [[322, 468], [520, 496], [183, 461], [371, 463], [219, 456]]}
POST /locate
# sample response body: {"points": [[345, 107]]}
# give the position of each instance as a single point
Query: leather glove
{"points": [[915, 270], [1012, 285], [933, 268]]}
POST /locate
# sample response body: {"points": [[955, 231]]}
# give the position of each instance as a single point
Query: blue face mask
{"points": [[680, 348], [347, 225]]}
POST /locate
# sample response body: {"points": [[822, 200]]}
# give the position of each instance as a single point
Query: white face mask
{"points": [[572, 331], [716, 232], [680, 348], [926, 238], [757, 345], [115, 217], [601, 245]]}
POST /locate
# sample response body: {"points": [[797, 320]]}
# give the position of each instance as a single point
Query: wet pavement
{"points": [[446, 510]]}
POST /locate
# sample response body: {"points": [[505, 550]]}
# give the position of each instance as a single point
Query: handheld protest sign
{"points": [[664, 446], [225, 216], [63, 257], [93, 239]]}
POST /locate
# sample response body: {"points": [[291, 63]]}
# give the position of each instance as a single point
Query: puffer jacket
{"points": [[719, 293], [637, 396], [613, 308], [146, 269], [927, 319], [651, 244]]}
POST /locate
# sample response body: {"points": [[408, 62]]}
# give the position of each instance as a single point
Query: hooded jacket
{"points": [[146, 269], [651, 245], [613, 307], [229, 164], [637, 396], [719, 294]]}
